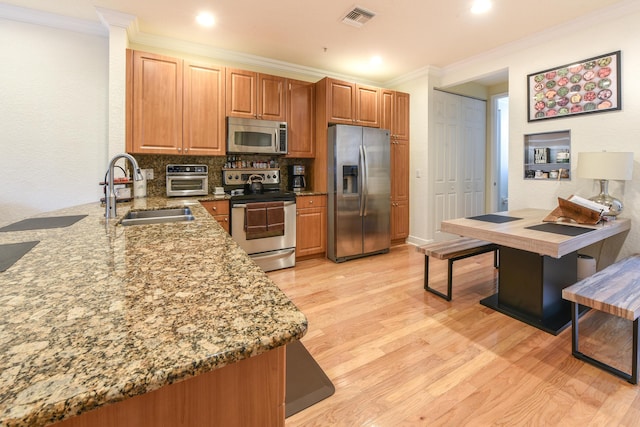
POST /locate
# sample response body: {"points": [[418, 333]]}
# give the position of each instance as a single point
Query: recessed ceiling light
{"points": [[481, 6], [376, 60], [205, 19]]}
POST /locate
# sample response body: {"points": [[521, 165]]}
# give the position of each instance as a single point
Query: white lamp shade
{"points": [[605, 165]]}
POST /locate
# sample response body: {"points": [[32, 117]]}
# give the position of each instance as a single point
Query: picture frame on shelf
{"points": [[591, 85]]}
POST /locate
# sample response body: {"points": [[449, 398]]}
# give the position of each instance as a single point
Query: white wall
{"points": [[53, 118], [613, 131]]}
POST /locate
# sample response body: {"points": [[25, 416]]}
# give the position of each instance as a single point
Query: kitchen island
{"points": [[98, 315]]}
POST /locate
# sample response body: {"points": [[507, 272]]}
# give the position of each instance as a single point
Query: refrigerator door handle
{"points": [[365, 181]]}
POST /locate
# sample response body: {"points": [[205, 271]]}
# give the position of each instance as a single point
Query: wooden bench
{"points": [[454, 250], [614, 290]]}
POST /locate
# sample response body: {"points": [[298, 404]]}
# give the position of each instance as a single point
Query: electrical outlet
{"points": [[148, 173]]}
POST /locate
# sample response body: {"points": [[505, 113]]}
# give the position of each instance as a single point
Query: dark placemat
{"points": [[42, 223], [307, 384], [497, 219], [567, 230], [12, 252]]}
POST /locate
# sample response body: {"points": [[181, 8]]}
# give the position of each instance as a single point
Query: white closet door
{"points": [[457, 158]]}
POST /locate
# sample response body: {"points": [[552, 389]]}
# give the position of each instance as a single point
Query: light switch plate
{"points": [[148, 174]]}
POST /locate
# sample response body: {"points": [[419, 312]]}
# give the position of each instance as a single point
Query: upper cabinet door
{"points": [[401, 120], [367, 106], [387, 113], [204, 110], [353, 104], [271, 97], [255, 96], [341, 102], [301, 118], [156, 104], [242, 93]]}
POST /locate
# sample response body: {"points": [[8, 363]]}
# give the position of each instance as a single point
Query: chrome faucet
{"points": [[110, 199]]}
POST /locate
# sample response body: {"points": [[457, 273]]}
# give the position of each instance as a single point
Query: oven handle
{"points": [[185, 177], [244, 205], [273, 254]]}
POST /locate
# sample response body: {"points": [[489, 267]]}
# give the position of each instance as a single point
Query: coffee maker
{"points": [[297, 180]]}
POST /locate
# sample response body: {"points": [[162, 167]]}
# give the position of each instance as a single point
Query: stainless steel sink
{"points": [[157, 216]]}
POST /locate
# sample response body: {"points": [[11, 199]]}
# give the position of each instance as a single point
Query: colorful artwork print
{"points": [[588, 86]]}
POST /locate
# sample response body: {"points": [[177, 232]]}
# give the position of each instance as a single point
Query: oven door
{"points": [[187, 186], [271, 252]]}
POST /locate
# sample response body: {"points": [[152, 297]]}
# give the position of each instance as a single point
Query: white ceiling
{"points": [[407, 34]]}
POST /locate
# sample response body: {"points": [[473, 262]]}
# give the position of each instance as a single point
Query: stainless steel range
{"points": [[263, 217]]}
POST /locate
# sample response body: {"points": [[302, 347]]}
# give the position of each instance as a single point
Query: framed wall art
{"points": [[588, 86]]}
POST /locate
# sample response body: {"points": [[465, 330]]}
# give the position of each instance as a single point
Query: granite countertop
{"points": [[96, 312]]}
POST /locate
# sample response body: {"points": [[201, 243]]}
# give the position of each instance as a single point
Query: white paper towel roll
{"points": [[140, 188], [586, 266]]}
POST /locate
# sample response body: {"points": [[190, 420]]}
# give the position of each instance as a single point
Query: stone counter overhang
{"points": [[97, 312]]}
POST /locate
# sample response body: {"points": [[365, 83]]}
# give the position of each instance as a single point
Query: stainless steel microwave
{"points": [[256, 136]]}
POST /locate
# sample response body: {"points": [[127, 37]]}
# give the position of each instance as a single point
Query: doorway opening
{"points": [[500, 149]]}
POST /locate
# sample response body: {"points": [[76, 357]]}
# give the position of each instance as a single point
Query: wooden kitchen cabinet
{"points": [[395, 117], [301, 119], [174, 106], [311, 226], [220, 211], [351, 103], [255, 95]]}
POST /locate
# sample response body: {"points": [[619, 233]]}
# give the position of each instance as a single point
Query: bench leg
{"points": [[633, 378], [446, 296]]}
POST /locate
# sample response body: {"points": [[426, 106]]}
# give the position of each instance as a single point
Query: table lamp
{"points": [[605, 166]]}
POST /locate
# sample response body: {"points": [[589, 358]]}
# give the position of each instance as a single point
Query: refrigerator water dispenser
{"points": [[349, 179]]}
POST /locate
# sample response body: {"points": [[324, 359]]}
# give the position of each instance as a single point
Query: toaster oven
{"points": [[187, 180]]}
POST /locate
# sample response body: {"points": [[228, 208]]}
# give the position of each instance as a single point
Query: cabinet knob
{"points": [[310, 202], [215, 208]]}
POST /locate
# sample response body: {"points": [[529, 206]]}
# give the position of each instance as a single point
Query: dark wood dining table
{"points": [[537, 260]]}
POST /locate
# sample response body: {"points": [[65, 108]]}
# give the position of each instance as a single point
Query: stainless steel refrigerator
{"points": [[359, 202]]}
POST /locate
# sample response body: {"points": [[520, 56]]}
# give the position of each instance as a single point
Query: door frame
{"points": [[498, 165]]}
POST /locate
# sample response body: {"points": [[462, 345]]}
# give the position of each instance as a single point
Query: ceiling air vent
{"points": [[357, 17]]}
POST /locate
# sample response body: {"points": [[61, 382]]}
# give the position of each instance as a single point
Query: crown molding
{"points": [[161, 42], [113, 18], [47, 19]]}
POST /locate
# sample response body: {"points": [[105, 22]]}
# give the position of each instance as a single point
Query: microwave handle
{"points": [[276, 143]]}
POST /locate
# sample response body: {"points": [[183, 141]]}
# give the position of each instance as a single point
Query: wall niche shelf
{"points": [[547, 156]]}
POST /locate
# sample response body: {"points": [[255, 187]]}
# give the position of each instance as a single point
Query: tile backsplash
{"points": [[157, 186]]}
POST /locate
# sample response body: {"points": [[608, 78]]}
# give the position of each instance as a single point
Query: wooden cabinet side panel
{"points": [[271, 97], [250, 393], [157, 103], [319, 166], [204, 110], [241, 93], [301, 119]]}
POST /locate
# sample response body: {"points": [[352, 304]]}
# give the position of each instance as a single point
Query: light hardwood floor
{"points": [[400, 356]]}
